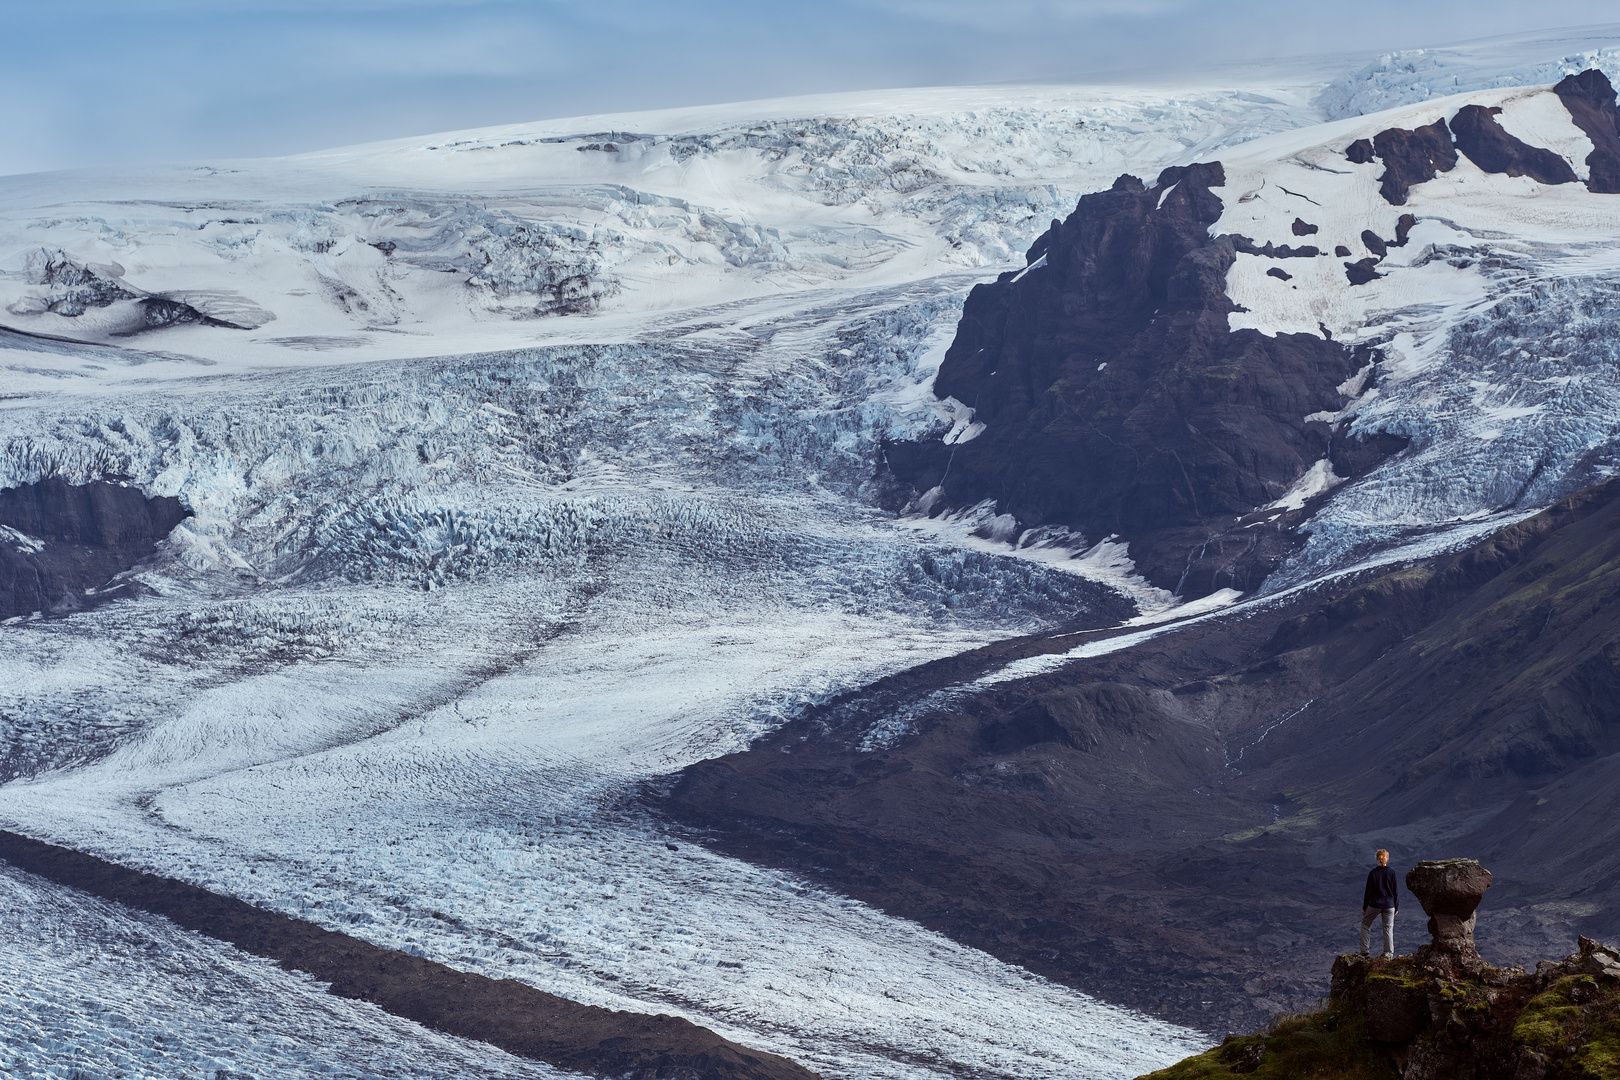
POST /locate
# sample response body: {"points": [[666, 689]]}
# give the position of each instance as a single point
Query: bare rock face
{"points": [[1450, 890], [1487, 144], [1590, 99], [1119, 400], [61, 543], [1412, 157], [1397, 1008]]}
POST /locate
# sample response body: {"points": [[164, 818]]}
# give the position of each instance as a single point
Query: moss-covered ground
{"points": [[1578, 1019], [1329, 1043], [1492, 1025]]}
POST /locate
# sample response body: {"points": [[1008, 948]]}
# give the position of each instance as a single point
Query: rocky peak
{"points": [[1112, 267], [1119, 401]]}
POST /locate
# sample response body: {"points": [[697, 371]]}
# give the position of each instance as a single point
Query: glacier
{"points": [[531, 464], [1492, 326]]}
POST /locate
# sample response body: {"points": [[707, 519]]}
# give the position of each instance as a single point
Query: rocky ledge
{"points": [[1441, 1013]]}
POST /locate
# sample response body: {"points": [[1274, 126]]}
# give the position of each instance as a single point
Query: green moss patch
{"points": [[1407, 978], [1577, 1016], [1323, 1044], [1600, 1058]]}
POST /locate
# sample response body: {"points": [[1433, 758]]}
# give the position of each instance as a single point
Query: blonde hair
{"points": [[1381, 853]]}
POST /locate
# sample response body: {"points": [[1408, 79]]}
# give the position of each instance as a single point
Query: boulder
{"points": [[1450, 890]]}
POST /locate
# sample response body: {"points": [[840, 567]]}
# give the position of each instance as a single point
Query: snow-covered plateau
{"points": [[527, 466]]}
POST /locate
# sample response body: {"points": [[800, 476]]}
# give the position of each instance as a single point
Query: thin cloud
{"points": [[231, 8], [1017, 15], [103, 81]]}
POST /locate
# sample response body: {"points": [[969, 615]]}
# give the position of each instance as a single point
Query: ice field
{"points": [[530, 465]]}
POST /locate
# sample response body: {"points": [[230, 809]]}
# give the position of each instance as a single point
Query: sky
{"points": [[109, 82]]}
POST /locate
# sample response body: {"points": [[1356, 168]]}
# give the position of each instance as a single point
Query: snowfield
{"points": [[1495, 323], [530, 465], [466, 241]]}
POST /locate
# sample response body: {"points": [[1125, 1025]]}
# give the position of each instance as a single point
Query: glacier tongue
{"points": [[441, 615]]}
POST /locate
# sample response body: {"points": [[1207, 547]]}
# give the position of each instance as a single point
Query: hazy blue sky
{"points": [[106, 81]]}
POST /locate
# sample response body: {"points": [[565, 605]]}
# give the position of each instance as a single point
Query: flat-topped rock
{"points": [[1450, 890]]}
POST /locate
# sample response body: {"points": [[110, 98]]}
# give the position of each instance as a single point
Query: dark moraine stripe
{"points": [[508, 1014]]}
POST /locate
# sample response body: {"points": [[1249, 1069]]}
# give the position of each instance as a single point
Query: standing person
{"points": [[1380, 899]]}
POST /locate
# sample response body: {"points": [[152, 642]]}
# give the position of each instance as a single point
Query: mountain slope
{"points": [[1180, 819], [1116, 400]]}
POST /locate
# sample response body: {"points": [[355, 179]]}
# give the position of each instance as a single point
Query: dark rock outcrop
{"points": [[1403, 228], [1488, 145], [1412, 157], [512, 1015], [60, 543], [1590, 99], [1079, 822], [1360, 152], [1269, 250], [1358, 455], [1379, 246], [1117, 399], [1450, 890], [157, 311], [1302, 227], [73, 288], [1362, 271], [1414, 1018]]}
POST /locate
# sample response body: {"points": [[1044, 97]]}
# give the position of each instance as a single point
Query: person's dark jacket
{"points": [[1381, 886]]}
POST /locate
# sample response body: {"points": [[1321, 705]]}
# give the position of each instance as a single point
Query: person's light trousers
{"points": [[1367, 918]]}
